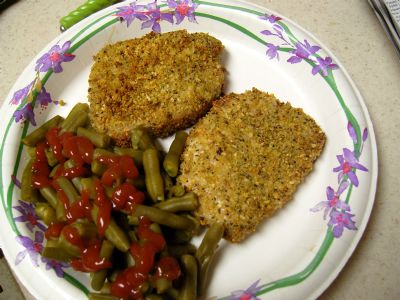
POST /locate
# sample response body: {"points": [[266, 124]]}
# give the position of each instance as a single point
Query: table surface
{"points": [[351, 31]]}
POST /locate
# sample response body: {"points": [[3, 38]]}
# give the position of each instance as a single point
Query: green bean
{"points": [[102, 152], [76, 181], [168, 183], [180, 236], [188, 202], [176, 191], [154, 181], [179, 250], [204, 268], [51, 159], [112, 276], [77, 117], [133, 220], [88, 186], [139, 182], [210, 242], [53, 251], [40, 133], [50, 195], [45, 212], [129, 260], [99, 277], [31, 152], [28, 193], [156, 228], [189, 286], [109, 191], [100, 296], [132, 236], [71, 249], [171, 161], [68, 188], [137, 155], [87, 230], [53, 171], [173, 293], [162, 285], [98, 139], [196, 222], [106, 289], [141, 139], [206, 251], [163, 217], [114, 233], [153, 297], [60, 212]]}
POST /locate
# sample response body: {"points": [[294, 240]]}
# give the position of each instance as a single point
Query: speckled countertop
{"points": [[350, 29]]}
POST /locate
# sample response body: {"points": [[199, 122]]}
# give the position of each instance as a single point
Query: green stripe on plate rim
{"points": [[280, 283]]}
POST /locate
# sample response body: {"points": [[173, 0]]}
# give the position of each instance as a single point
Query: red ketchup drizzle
{"points": [[55, 143], [117, 167], [105, 206], [80, 209], [167, 267], [126, 196], [72, 235], [128, 282], [78, 148], [54, 230], [40, 168], [90, 260]]}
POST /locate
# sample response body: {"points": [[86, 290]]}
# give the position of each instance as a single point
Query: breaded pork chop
{"points": [[245, 159], [161, 82]]}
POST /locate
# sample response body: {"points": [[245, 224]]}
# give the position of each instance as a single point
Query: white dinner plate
{"points": [[295, 254]]}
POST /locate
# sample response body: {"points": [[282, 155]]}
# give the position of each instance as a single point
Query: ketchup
{"points": [[127, 283], [55, 143], [40, 168], [117, 167], [54, 230], [90, 260], [167, 267], [126, 196], [105, 206]]}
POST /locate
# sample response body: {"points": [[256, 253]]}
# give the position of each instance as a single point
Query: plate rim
{"points": [[360, 99]]}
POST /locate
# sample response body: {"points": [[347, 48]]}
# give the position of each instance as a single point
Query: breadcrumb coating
{"points": [[245, 159], [161, 82]]}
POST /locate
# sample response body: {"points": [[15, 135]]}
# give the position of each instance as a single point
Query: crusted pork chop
{"points": [[245, 159], [161, 82]]}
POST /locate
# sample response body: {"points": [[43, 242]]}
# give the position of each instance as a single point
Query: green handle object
{"points": [[83, 11]]}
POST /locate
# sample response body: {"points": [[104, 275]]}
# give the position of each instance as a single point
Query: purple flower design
{"points": [[182, 9], [333, 201], [352, 132], [16, 181], [323, 65], [302, 51], [131, 12], [43, 98], [348, 162], [21, 94], [155, 16], [248, 294], [270, 18], [54, 58], [28, 215], [32, 247], [272, 51], [25, 113], [57, 266], [339, 220]]}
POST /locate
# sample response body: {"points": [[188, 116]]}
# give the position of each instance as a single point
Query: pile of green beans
{"points": [[167, 205]]}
